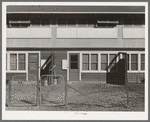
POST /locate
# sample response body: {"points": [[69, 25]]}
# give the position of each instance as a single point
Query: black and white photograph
{"points": [[75, 60]]}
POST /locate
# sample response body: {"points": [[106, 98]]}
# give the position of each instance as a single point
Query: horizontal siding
{"points": [[93, 76], [132, 77], [19, 76], [58, 56]]}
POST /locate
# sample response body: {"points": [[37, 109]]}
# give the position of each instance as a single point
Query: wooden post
{"points": [[126, 81], [65, 94], [38, 93]]}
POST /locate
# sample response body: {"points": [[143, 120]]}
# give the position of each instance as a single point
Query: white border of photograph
{"points": [[72, 115]]}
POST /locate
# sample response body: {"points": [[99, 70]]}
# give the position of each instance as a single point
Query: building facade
{"points": [[80, 41]]}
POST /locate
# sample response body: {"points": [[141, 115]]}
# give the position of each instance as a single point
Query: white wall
{"points": [[134, 32], [87, 33], [28, 32]]}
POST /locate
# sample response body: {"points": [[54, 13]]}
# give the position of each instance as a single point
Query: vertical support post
{"points": [[65, 94], [52, 72], [137, 83], [38, 92], [9, 102], [126, 81]]}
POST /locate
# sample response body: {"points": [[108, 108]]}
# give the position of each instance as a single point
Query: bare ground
{"points": [[89, 97]]}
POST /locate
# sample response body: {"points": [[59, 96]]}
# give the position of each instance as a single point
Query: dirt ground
{"points": [[85, 97]]}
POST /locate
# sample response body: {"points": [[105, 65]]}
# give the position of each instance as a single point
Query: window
{"points": [[111, 57], [142, 61], [91, 22], [45, 22], [35, 22], [15, 62], [62, 22], [21, 62], [71, 22], [128, 61], [104, 61], [94, 61], [134, 61], [6, 61], [138, 22], [81, 22], [85, 62], [128, 22], [74, 61], [133, 22]]}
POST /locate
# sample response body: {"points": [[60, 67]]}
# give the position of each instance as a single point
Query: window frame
{"points": [[8, 62], [133, 24]]}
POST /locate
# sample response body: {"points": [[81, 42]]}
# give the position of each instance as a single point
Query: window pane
{"points": [[138, 21], [128, 21], [74, 57], [21, 61], [142, 57], [85, 57], [104, 61], [74, 65], [85, 62], [62, 22], [94, 66], [6, 61], [45, 22], [94, 58], [13, 61], [142, 66], [35, 22], [85, 66], [94, 61], [81, 22], [134, 62], [127, 61], [142, 61], [134, 66], [72, 22], [111, 57], [91, 22], [104, 66], [104, 58], [134, 58]]}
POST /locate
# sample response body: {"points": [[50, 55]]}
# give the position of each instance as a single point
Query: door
{"points": [[33, 63], [74, 67]]}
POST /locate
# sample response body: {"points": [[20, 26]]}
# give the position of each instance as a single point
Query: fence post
{"points": [[66, 95], [126, 81]]}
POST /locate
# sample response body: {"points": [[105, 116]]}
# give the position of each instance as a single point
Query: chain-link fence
{"points": [[21, 92], [52, 90]]}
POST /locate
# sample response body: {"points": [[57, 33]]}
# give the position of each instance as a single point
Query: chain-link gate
{"points": [[22, 92], [52, 90]]}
